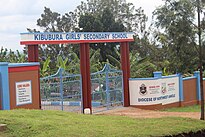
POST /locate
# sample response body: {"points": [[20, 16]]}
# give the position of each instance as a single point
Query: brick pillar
{"points": [[33, 53], [125, 65], [33, 56], [85, 73]]}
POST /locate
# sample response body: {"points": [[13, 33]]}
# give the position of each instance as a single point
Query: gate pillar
{"points": [[125, 65], [32, 53], [85, 72], [33, 56]]}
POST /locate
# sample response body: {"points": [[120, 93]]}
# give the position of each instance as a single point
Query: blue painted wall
{"points": [[4, 82]]}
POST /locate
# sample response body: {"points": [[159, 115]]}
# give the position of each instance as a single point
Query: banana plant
{"points": [[45, 69], [21, 57], [95, 64], [61, 63], [3, 54], [73, 66]]}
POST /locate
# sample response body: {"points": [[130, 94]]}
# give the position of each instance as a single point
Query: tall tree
{"points": [[104, 22], [182, 18], [54, 22], [175, 18], [109, 16], [92, 15], [133, 19]]}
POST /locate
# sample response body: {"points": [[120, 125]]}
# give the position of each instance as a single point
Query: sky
{"points": [[17, 15]]}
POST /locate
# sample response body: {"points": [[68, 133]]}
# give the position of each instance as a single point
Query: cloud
{"points": [[15, 7], [17, 15], [16, 23], [33, 7]]}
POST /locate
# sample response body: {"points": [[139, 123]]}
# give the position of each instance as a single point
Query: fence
{"points": [[107, 89], [63, 91]]}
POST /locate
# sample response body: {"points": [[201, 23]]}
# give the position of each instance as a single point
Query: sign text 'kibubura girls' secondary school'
{"points": [[79, 36]]}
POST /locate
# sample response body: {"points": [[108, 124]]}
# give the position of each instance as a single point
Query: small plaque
{"points": [[23, 93]]}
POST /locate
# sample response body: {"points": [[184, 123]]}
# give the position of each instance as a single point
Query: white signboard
{"points": [[154, 91], [75, 37], [23, 93]]}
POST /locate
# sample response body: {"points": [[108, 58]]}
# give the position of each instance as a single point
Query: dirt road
{"points": [[139, 113]]}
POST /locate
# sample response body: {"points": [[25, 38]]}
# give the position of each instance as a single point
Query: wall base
{"points": [[160, 106], [157, 106], [189, 103]]}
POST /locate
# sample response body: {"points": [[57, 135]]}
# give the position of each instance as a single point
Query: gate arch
{"points": [[32, 40]]}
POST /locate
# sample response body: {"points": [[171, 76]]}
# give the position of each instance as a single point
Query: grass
{"points": [[38, 123], [194, 108]]}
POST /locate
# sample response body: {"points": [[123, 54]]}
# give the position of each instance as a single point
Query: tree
{"points": [[54, 22], [133, 19], [176, 19], [105, 23], [200, 59], [12, 56], [140, 67], [3, 54], [109, 16], [97, 15]]}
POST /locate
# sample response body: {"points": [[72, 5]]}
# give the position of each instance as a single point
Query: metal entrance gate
{"points": [[61, 91], [107, 89]]}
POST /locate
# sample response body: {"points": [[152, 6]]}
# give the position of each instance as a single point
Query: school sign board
{"points": [[75, 37], [154, 91]]}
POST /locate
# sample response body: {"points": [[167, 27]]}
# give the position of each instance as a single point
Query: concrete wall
{"points": [[12, 95], [24, 76], [189, 92]]}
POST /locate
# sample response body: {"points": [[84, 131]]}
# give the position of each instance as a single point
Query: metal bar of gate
{"points": [[61, 88], [107, 89], [81, 94]]}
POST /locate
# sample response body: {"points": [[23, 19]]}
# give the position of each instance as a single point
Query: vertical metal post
{"points": [[122, 89], [81, 95], [107, 86], [61, 87]]}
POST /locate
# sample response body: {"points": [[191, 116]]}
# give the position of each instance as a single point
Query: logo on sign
{"points": [[164, 89], [143, 89]]}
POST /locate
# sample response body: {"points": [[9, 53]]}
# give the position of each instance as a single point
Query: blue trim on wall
{"points": [[143, 78], [157, 74], [181, 92], [198, 88], [23, 64], [154, 78], [170, 76], [189, 78], [4, 83]]}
